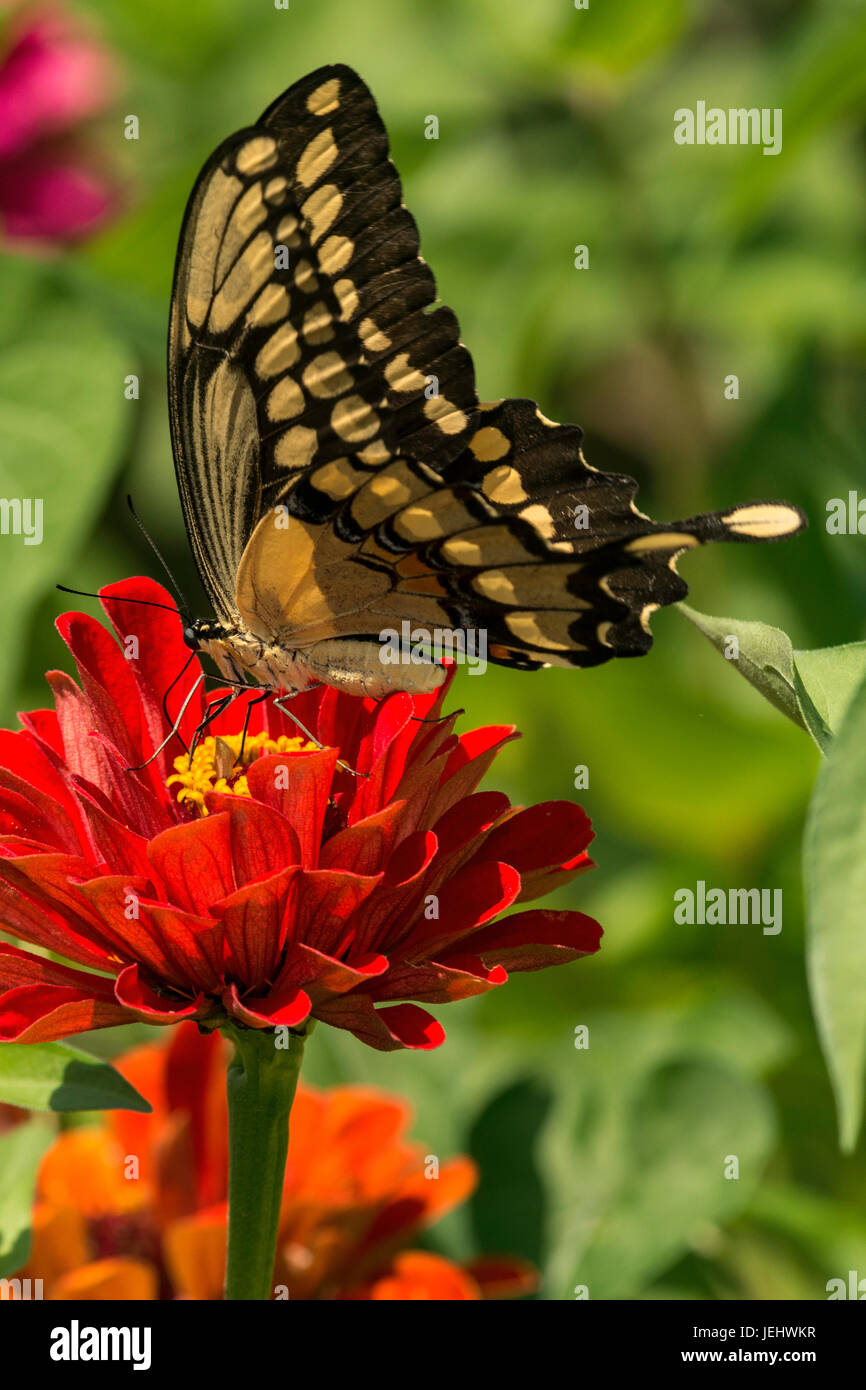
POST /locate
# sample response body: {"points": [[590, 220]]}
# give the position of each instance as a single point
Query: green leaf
{"points": [[685, 1126], [20, 1151], [54, 1076], [62, 418], [509, 1210], [766, 657], [812, 688], [834, 861], [831, 675]]}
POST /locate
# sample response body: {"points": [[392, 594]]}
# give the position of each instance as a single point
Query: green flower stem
{"points": [[260, 1087]]}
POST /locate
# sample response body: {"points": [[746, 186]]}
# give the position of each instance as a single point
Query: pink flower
{"points": [[53, 79]]}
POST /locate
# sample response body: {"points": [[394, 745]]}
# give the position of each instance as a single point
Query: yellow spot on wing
{"points": [[548, 629], [325, 98], [305, 279], [539, 518], [503, 484], [219, 197], [347, 298], [287, 231], [295, 448], [318, 324], [249, 212], [275, 189], [448, 417], [322, 209], [354, 420], [372, 337], [400, 376], [244, 280], [336, 479], [285, 400], [764, 520], [327, 375], [256, 155], [377, 452], [335, 254], [271, 306], [280, 352], [489, 443], [317, 158], [662, 540]]}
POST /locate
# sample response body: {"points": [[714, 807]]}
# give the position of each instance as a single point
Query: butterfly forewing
{"points": [[302, 337]]}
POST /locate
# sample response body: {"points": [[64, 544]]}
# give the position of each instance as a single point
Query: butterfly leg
{"points": [[219, 707], [172, 731], [304, 730], [257, 701]]}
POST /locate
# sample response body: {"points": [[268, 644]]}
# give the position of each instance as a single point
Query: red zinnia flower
{"points": [[301, 882], [355, 1196]]}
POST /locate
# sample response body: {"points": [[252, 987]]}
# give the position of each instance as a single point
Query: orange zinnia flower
{"points": [[134, 1207]]}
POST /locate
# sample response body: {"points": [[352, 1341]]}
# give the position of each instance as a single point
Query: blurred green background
{"points": [[605, 1165]]}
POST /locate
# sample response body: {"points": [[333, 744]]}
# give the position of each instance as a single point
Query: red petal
{"points": [[284, 1009], [298, 785], [326, 906], [400, 1025], [107, 683], [194, 862], [437, 983], [162, 656], [180, 948], [48, 1001], [24, 756], [254, 920], [38, 904], [471, 898], [262, 841], [363, 848], [322, 975], [131, 991], [468, 763], [537, 938]]}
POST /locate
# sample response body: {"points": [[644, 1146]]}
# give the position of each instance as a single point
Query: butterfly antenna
{"points": [[118, 598], [159, 555]]}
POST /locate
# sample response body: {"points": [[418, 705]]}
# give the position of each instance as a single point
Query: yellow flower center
{"points": [[218, 764]]}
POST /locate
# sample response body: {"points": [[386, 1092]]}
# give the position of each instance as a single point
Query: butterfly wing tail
{"points": [[755, 521]]}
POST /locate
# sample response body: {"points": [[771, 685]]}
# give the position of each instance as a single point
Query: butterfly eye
{"points": [[190, 637]]}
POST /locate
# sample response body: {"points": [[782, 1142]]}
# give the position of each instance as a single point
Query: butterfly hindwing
{"points": [[518, 536]]}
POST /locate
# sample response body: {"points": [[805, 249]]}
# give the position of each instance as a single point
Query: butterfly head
{"points": [[197, 634]]}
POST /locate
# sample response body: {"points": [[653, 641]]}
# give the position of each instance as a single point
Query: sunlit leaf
{"points": [[54, 1076], [834, 860]]}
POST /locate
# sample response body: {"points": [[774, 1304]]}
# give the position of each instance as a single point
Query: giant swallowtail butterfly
{"points": [[338, 476]]}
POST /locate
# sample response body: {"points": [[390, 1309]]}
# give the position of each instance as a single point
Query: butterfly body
{"points": [[354, 667], [338, 475]]}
